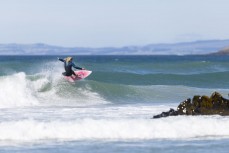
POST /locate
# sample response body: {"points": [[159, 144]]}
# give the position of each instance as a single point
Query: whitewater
{"points": [[112, 109]]}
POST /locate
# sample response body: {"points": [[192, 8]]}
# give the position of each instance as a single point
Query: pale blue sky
{"points": [[116, 23]]}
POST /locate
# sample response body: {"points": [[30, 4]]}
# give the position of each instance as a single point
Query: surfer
{"points": [[68, 64]]}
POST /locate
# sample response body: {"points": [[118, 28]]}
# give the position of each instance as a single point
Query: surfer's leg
{"points": [[66, 74], [73, 73]]}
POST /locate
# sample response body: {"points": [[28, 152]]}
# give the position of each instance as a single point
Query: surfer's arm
{"points": [[62, 60], [76, 67]]}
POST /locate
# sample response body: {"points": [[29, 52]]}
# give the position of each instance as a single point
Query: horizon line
{"points": [[56, 45]]}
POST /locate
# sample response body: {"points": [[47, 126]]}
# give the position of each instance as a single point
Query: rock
{"points": [[200, 105], [171, 112]]}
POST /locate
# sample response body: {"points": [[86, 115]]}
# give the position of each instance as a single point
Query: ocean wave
{"points": [[14, 91], [48, 88], [20, 90], [203, 80], [198, 127]]}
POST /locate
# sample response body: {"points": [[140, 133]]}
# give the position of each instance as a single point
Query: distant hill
{"points": [[224, 51], [185, 48]]}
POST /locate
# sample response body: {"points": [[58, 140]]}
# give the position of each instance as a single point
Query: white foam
{"points": [[44, 88], [169, 128], [14, 91]]}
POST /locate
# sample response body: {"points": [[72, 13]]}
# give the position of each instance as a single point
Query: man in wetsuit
{"points": [[68, 64]]}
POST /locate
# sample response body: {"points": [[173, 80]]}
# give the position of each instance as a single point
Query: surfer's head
{"points": [[68, 59]]}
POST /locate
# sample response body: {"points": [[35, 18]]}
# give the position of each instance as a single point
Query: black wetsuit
{"points": [[68, 68]]}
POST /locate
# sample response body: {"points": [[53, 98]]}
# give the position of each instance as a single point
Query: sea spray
{"points": [[15, 91]]}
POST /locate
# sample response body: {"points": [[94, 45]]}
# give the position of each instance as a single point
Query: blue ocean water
{"points": [[111, 110]]}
